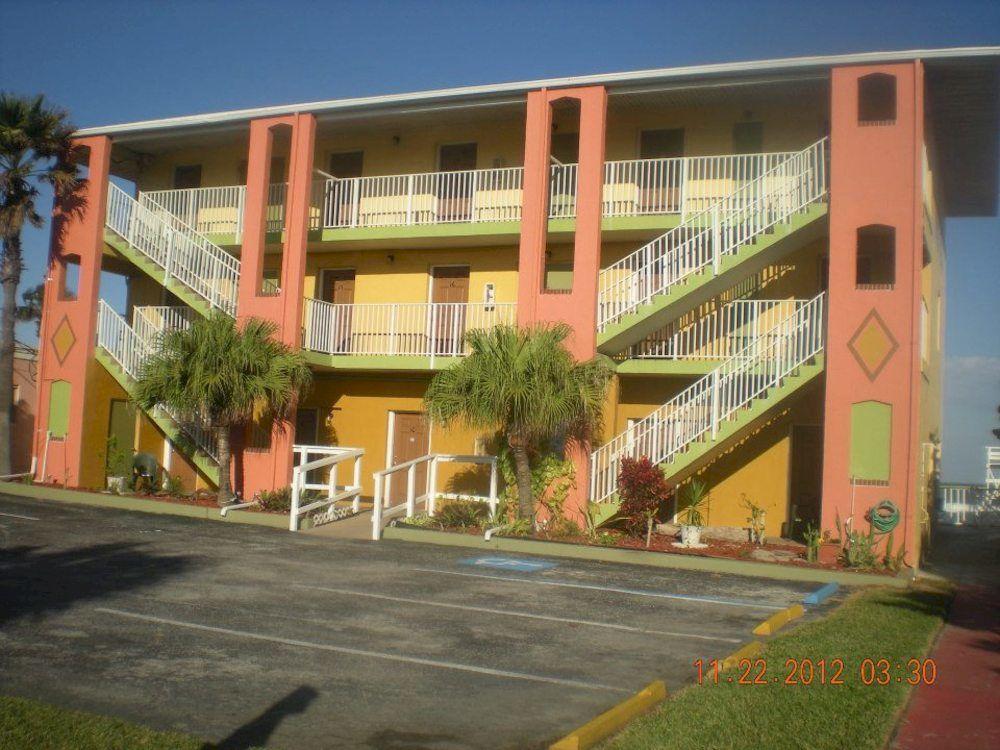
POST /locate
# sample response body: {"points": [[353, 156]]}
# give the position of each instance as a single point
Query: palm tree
{"points": [[224, 376], [35, 148], [524, 383]]}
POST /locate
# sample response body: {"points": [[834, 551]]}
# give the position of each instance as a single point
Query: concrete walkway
{"points": [[962, 708]]}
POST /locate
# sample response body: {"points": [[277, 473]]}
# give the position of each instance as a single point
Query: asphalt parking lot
{"points": [[248, 636]]}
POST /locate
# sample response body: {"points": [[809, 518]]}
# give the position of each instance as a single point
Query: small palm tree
{"points": [[224, 376], [524, 383], [35, 148]]}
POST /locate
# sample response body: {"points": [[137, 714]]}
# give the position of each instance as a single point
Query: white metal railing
{"points": [[151, 321], [965, 503], [697, 412], [307, 469], [426, 329], [382, 507], [182, 253], [716, 334], [703, 239], [129, 350], [632, 187]]}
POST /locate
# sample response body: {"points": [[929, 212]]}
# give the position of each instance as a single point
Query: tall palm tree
{"points": [[35, 148], [224, 376], [524, 383]]}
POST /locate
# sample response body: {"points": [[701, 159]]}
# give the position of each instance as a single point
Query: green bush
{"points": [[276, 500], [462, 514]]}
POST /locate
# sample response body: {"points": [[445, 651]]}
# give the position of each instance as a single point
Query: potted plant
{"points": [[118, 466], [695, 495]]}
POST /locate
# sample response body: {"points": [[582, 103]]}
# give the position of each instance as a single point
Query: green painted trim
{"points": [[667, 366], [871, 440], [60, 394], [142, 505], [398, 363], [637, 325], [640, 557], [203, 462]]}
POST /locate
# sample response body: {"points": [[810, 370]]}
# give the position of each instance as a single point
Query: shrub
{"points": [[642, 488], [173, 486], [463, 514], [695, 496], [276, 500]]}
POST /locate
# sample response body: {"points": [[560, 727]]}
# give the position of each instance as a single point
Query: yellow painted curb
{"points": [[746, 652], [613, 719], [779, 619]]}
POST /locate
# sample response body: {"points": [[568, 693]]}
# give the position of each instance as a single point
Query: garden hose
{"points": [[884, 517]]}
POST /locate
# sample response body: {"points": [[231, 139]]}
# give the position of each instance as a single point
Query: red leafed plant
{"points": [[641, 488]]}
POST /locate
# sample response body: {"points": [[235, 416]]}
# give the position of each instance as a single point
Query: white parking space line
{"points": [[18, 515], [362, 652], [514, 613], [615, 589]]}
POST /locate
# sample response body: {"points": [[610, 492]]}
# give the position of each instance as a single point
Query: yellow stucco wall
{"points": [[102, 388], [354, 411]]}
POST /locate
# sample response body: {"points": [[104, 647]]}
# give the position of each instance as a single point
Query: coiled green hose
{"points": [[884, 517]]}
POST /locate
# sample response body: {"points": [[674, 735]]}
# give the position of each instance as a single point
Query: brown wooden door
{"points": [[450, 289], [663, 189], [410, 440], [338, 288], [345, 165], [455, 191], [806, 475]]}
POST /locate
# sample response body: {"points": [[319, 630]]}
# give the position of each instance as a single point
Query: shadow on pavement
{"points": [[256, 733], [34, 582]]}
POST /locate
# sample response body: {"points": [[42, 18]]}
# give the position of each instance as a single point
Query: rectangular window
{"points": [[871, 441], [925, 333], [661, 144]]}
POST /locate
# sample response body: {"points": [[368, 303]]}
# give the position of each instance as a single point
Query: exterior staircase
{"points": [[721, 405], [737, 235], [122, 350]]}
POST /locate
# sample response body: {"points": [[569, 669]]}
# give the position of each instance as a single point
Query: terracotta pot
{"points": [[829, 552]]}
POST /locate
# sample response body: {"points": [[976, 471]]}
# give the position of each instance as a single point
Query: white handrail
{"points": [[702, 240], [182, 253], [698, 411], [129, 350], [717, 334], [381, 508], [151, 321], [632, 187], [331, 458], [424, 329]]}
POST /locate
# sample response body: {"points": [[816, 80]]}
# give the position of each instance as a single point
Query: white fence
{"points": [[182, 253], [426, 329], [718, 333], [129, 350], [308, 470], [426, 495], [632, 187], [697, 412], [964, 503], [702, 240]]}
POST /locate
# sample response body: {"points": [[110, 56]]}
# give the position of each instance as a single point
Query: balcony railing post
{"points": [[169, 257], [684, 188], [409, 200], [715, 403], [716, 239], [355, 200]]}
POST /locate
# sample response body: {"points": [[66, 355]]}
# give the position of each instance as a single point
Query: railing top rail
{"points": [[329, 460], [405, 465]]}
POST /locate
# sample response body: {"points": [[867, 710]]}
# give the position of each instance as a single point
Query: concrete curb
{"points": [[121, 502], [638, 557], [744, 652], [613, 719], [778, 620]]}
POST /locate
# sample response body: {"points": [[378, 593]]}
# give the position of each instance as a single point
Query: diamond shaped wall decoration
{"points": [[63, 339], [873, 345]]}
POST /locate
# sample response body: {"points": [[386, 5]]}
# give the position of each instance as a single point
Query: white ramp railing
{"points": [[182, 253], [129, 350], [427, 494], [697, 412], [308, 468], [702, 240]]}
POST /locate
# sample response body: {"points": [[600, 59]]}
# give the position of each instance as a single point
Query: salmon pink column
{"points": [[69, 323], [271, 468], [578, 306], [873, 341]]}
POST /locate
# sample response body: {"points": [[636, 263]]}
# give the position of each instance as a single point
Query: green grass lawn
{"points": [[878, 624], [28, 724]]}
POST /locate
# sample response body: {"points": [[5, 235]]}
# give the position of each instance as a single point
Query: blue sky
{"points": [[119, 61]]}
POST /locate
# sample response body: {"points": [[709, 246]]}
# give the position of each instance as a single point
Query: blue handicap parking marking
{"points": [[508, 563]]}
